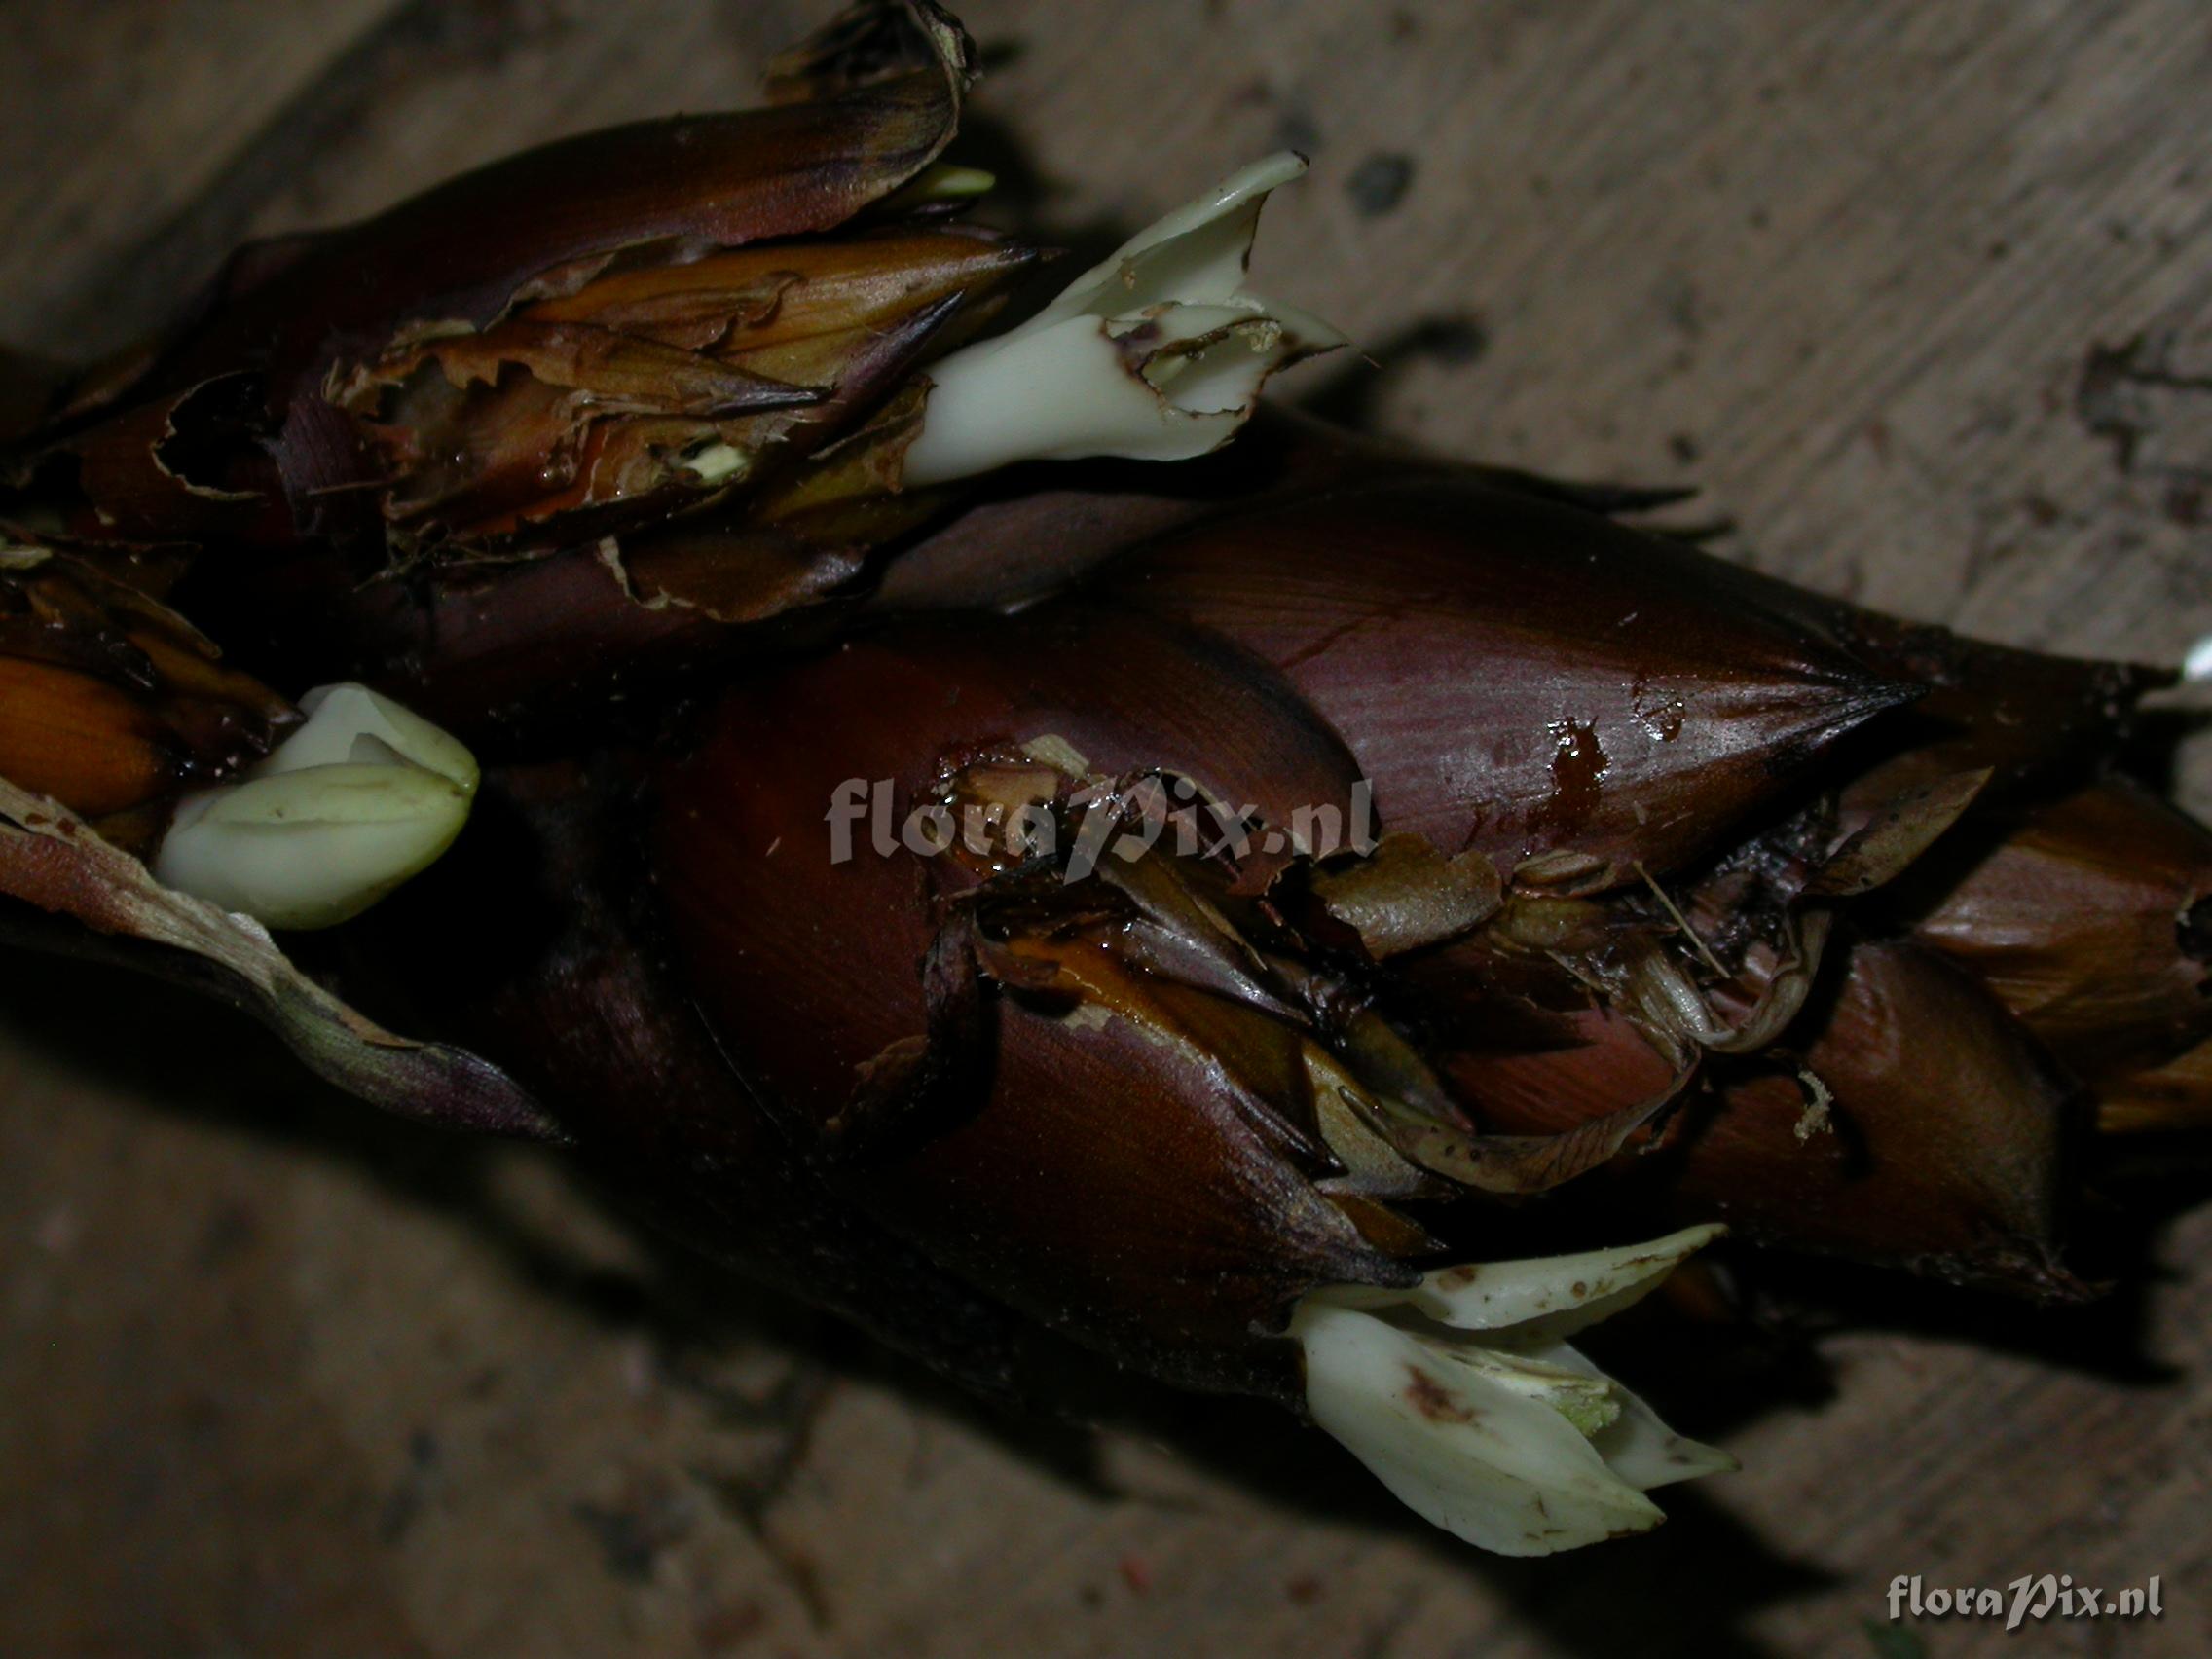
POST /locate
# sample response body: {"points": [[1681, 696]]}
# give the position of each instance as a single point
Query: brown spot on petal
{"points": [[1432, 1399]]}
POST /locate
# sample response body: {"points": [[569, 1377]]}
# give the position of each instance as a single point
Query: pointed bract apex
{"points": [[1519, 678]]}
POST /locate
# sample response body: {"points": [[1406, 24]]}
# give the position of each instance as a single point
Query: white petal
{"points": [[1156, 354], [2197, 664], [1483, 1461], [1636, 1445], [310, 848], [716, 464], [339, 714], [364, 795], [1058, 396], [1543, 1299], [1585, 1396], [1196, 254], [1462, 1398]]}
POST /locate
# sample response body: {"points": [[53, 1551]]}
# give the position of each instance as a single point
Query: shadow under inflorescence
{"points": [[189, 1058]]}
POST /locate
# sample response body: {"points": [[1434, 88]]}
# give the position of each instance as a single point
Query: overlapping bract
{"points": [[113, 702], [1706, 851], [588, 337], [1655, 893]]}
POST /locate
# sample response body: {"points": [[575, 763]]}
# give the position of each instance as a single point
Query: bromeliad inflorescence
{"points": [[583, 536]]}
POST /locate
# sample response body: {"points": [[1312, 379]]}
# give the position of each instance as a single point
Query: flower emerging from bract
{"points": [[1158, 353], [353, 803], [1465, 1398]]}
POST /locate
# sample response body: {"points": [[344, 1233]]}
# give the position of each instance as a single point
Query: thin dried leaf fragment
{"points": [[1898, 833], [51, 861], [1529, 1164], [869, 107], [1406, 895]]}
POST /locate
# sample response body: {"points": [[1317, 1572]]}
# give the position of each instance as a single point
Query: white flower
{"points": [[1464, 1397], [362, 797], [1156, 354]]}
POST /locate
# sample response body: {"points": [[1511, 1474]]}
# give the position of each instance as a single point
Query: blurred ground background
{"points": [[1921, 292]]}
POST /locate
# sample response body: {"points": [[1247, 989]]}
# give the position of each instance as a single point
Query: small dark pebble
{"points": [[1380, 183]]}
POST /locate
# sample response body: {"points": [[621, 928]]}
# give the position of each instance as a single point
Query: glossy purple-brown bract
{"points": [[1083, 913], [539, 351]]}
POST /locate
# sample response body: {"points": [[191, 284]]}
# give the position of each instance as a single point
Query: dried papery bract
{"points": [[662, 389], [331, 375]]}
